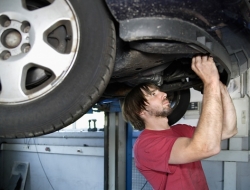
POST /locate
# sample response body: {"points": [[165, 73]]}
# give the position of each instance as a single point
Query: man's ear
{"points": [[142, 113]]}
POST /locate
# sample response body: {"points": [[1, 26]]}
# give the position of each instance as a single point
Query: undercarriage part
{"points": [[170, 29], [151, 75], [132, 62], [157, 79], [179, 101], [165, 47]]}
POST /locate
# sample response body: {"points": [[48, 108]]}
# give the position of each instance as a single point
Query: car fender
{"points": [[181, 31]]}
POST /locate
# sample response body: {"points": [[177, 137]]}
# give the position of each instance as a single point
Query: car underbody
{"points": [[58, 59]]}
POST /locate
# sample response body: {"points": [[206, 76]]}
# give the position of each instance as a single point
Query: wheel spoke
{"points": [[47, 18], [44, 56], [44, 21], [12, 83]]}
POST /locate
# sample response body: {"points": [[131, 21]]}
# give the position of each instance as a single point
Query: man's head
{"points": [[145, 97]]}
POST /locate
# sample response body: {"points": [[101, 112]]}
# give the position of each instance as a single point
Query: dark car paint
{"points": [[191, 10], [206, 14]]}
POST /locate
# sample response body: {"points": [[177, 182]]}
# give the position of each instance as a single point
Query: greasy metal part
{"points": [[156, 79], [171, 87], [165, 47], [171, 74], [116, 90], [145, 73], [133, 62]]}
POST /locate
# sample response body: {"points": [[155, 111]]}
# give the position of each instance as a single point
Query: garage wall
{"points": [[222, 175], [57, 171], [71, 171]]}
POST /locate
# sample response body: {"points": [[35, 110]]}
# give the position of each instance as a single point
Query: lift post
{"points": [[117, 150]]}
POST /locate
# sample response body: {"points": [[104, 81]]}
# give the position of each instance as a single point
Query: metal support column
{"points": [[129, 157], [230, 175], [115, 152]]}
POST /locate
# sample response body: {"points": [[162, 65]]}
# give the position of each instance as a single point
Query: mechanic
{"points": [[169, 157]]}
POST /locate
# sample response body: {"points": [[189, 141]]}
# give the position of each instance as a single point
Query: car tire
{"points": [[82, 85], [179, 104]]}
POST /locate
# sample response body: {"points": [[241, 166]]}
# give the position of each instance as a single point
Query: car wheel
{"points": [[179, 103], [56, 59]]}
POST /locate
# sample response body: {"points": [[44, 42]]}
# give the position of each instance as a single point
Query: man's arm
{"points": [[229, 128], [207, 136]]}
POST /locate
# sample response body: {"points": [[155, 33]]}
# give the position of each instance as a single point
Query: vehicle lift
{"points": [[117, 150]]}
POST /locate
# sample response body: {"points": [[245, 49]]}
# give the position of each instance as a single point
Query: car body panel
{"points": [[191, 10]]}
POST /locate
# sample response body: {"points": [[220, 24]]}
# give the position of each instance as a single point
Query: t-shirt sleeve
{"points": [[154, 153], [184, 130]]}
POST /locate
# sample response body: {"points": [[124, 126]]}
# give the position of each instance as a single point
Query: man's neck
{"points": [[157, 123]]}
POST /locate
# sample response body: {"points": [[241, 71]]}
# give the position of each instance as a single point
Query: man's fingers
{"points": [[205, 68], [195, 60], [198, 59], [204, 58], [210, 58]]}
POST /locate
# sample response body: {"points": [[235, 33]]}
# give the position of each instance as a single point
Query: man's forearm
{"points": [[209, 128], [229, 114]]}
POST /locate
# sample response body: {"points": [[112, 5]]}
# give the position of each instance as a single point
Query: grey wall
{"points": [[63, 171], [215, 178], [66, 171]]}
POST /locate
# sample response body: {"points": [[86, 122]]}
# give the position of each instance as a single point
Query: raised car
{"points": [[59, 58]]}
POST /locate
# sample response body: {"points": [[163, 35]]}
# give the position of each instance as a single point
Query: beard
{"points": [[163, 113]]}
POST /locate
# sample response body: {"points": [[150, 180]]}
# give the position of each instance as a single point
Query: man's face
{"points": [[158, 104]]}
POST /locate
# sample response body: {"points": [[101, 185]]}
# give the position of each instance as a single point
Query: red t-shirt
{"points": [[152, 151]]}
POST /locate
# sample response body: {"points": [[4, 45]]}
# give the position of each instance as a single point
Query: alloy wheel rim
{"points": [[37, 49]]}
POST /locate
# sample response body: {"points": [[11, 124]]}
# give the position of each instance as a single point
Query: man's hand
{"points": [[205, 68]]}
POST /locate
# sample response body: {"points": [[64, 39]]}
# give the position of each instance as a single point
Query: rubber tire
{"points": [[82, 87], [181, 107]]}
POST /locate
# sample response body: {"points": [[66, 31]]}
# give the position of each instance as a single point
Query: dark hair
{"points": [[135, 102]]}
